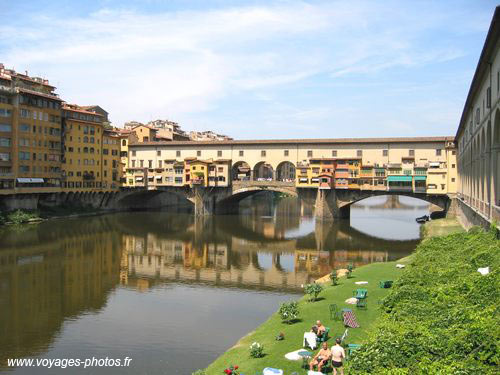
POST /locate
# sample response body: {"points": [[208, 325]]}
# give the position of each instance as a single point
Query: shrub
{"points": [[333, 276], [313, 290], [434, 321], [20, 217], [289, 311], [256, 350], [199, 372]]}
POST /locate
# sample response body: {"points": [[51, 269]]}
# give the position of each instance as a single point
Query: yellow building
{"points": [[111, 160], [91, 155], [30, 134], [196, 172]]}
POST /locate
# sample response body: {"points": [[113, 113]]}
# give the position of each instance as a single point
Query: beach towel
{"points": [[350, 320], [310, 372], [361, 282], [294, 356], [310, 340], [272, 371], [400, 265]]}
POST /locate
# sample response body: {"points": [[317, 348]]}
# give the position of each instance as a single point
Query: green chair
{"points": [[385, 284], [334, 312], [325, 336], [361, 303], [360, 293], [351, 348]]}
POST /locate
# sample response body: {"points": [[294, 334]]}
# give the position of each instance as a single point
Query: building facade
{"points": [[91, 153], [478, 136], [30, 134], [424, 165]]}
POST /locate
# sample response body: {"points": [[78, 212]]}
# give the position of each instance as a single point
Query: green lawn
{"points": [[309, 313]]}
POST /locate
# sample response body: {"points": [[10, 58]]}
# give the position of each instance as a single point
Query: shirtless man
{"points": [[320, 329], [321, 358], [338, 354]]}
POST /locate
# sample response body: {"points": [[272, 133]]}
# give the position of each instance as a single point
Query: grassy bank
{"points": [[309, 313], [441, 227], [442, 315]]}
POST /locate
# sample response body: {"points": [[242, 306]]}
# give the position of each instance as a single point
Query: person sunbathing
{"points": [[319, 329], [321, 358]]}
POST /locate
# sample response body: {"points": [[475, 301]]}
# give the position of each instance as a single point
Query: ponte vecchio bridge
{"points": [[333, 172]]}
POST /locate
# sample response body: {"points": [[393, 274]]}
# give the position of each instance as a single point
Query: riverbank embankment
{"points": [[440, 315], [310, 312]]}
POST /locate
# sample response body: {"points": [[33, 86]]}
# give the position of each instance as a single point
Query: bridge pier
{"points": [[327, 207]]}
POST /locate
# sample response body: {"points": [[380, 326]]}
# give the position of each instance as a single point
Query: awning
{"points": [[303, 179], [420, 178], [30, 180], [434, 164], [158, 177], [399, 178], [138, 178]]}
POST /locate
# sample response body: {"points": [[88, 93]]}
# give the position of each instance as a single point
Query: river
{"points": [[171, 292]]}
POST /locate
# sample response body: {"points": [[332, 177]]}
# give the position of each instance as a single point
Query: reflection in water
{"points": [[76, 288]]}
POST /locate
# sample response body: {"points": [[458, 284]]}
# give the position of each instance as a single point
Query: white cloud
{"points": [[176, 64]]}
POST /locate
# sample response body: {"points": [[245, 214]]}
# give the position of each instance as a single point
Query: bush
{"points": [[20, 217], [256, 350], [289, 311], [199, 372], [441, 316], [313, 290], [333, 276]]}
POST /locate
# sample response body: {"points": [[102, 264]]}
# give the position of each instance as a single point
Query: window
{"points": [[25, 113], [4, 142], [241, 153], [285, 153], [158, 153], [198, 153], [177, 153], [24, 142], [24, 168], [309, 154], [478, 116], [24, 155], [334, 153], [159, 164], [24, 128], [359, 153], [453, 152], [150, 163], [133, 163], [453, 165], [411, 152], [385, 152], [4, 156], [5, 112], [219, 154], [105, 151], [453, 179], [133, 153], [438, 152], [124, 142], [488, 97], [263, 153]]}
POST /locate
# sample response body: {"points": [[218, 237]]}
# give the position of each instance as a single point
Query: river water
{"points": [[171, 292]]}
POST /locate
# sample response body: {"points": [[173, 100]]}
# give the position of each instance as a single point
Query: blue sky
{"points": [[257, 69]]}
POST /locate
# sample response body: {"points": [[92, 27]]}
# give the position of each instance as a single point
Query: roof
{"points": [[79, 109], [299, 141], [32, 92], [482, 65]]}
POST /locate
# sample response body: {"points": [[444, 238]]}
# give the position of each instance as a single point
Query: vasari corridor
{"points": [[249, 188]]}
